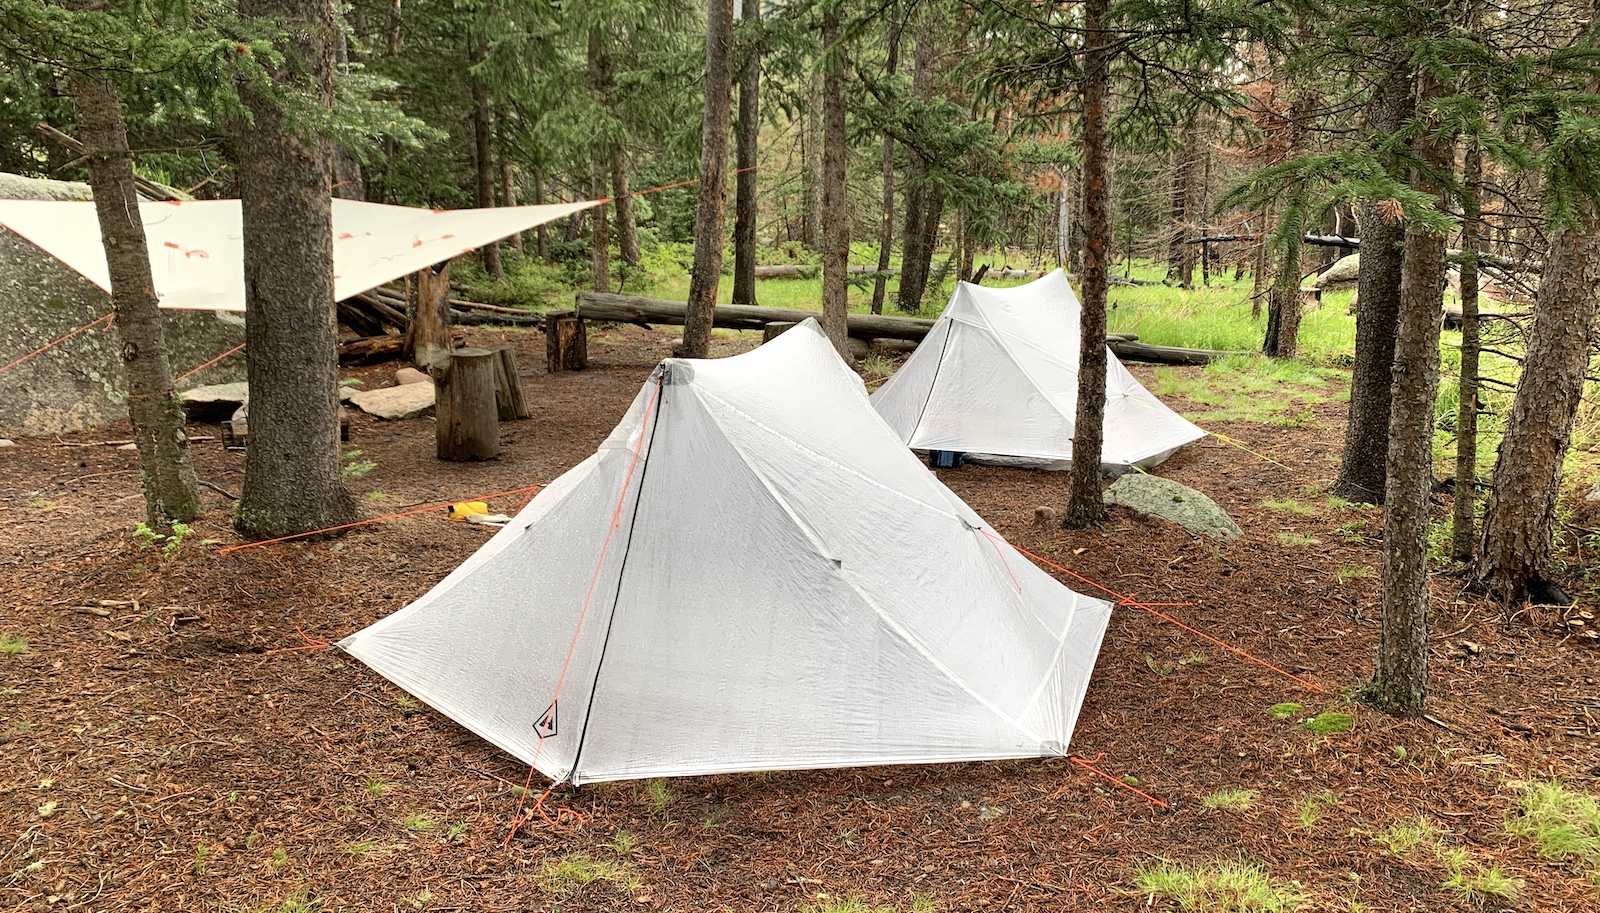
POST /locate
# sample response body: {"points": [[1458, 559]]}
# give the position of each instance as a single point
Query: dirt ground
{"points": [[160, 758]]}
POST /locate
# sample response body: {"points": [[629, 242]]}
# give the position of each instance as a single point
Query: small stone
{"points": [[1044, 515], [6, 443], [411, 376], [1470, 647], [1594, 493], [128, 447]]}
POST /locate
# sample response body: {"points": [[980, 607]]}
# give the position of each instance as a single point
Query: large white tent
{"points": [[997, 378], [197, 247], [751, 574]]}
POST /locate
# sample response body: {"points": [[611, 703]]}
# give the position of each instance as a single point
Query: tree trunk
{"points": [[916, 253], [1519, 515], [811, 160], [1401, 682], [508, 176], [170, 490], [744, 219], [347, 181], [709, 215], [1366, 439], [293, 480], [467, 413], [627, 225], [835, 206], [1284, 306], [541, 238], [880, 284], [1085, 502], [1180, 256], [600, 166], [483, 160], [428, 339], [1462, 540]]}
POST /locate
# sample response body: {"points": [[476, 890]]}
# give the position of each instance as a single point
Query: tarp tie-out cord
{"points": [[521, 816], [403, 513], [1089, 765], [103, 318]]}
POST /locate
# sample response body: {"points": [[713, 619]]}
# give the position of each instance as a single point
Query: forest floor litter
{"points": [[156, 754]]}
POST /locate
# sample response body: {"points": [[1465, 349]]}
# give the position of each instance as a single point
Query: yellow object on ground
{"points": [[464, 509]]}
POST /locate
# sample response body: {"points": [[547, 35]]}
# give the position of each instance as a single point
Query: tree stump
{"points": [[428, 334], [468, 425], [508, 394], [566, 342]]}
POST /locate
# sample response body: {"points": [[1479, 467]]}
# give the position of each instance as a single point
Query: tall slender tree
{"points": [[744, 220], [294, 481], [835, 205], [1085, 502], [1462, 539], [168, 480], [709, 215]]}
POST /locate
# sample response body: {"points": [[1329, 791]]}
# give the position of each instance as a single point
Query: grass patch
{"points": [[560, 877], [1563, 822], [375, 786], [1288, 506], [1476, 884], [1351, 572], [1309, 811], [1404, 836], [844, 905], [1298, 539], [13, 644], [1227, 887], [658, 795], [1285, 710], [417, 824], [1233, 800], [361, 849], [1329, 722]]}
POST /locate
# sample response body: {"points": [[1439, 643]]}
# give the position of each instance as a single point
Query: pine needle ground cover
{"points": [[159, 756]]}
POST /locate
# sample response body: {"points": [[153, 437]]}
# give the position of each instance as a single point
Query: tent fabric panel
{"points": [[903, 398], [489, 645], [737, 644]]}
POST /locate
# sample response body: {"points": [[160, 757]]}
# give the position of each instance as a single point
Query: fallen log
{"points": [[647, 311], [807, 271], [1163, 355], [371, 349], [516, 319], [1495, 260]]}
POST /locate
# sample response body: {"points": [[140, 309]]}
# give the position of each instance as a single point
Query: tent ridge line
{"points": [[616, 599]]}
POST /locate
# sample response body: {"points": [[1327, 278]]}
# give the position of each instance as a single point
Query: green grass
{"points": [[1351, 572], [1285, 710], [1288, 506], [1476, 884], [562, 876], [658, 794], [1330, 722], [1309, 811], [1233, 800], [417, 824], [844, 905], [1226, 887], [13, 644], [298, 902], [1219, 318], [375, 786], [1562, 822], [1404, 836], [1294, 539], [361, 849]]}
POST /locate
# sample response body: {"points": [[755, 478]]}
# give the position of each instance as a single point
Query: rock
{"points": [[1594, 493], [1044, 515], [1342, 274], [127, 446], [346, 392], [411, 376], [1180, 504], [215, 402], [401, 402], [6, 443]]}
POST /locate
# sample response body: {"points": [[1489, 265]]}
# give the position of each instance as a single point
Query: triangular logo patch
{"points": [[546, 727]]}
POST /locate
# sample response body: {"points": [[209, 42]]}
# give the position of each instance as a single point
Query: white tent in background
{"points": [[997, 378], [751, 574], [197, 247]]}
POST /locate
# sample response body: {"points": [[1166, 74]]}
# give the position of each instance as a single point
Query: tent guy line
{"points": [[1151, 607], [103, 318], [640, 446], [404, 513]]}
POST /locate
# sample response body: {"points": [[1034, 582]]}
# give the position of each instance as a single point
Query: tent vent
{"points": [[676, 371]]}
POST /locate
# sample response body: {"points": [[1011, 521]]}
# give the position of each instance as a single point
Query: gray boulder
{"points": [[1342, 274], [1180, 504]]}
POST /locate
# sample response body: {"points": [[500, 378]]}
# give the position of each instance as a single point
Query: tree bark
{"points": [[508, 176], [709, 216], [1519, 515], [293, 480], [541, 237], [811, 161], [744, 219], [171, 493], [835, 206], [1085, 502], [916, 251], [428, 339], [880, 284], [347, 181], [600, 166], [627, 225], [1366, 441], [1401, 681], [1462, 540], [1180, 256], [483, 156], [467, 415]]}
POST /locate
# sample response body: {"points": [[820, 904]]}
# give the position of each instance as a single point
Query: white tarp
{"points": [[751, 574], [998, 376], [197, 248]]}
